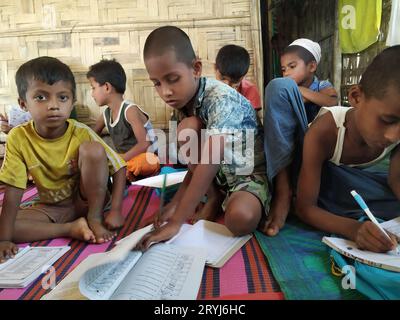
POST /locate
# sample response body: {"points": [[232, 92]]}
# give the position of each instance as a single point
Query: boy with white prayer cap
{"points": [[299, 61], [290, 103]]}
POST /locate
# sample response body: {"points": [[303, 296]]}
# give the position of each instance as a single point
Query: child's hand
{"points": [[4, 126], [167, 213], [369, 237], [163, 233], [7, 250]]}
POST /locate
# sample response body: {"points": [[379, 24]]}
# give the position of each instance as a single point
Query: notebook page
{"points": [[393, 226], [100, 282], [214, 237], [164, 272], [28, 265], [389, 261]]}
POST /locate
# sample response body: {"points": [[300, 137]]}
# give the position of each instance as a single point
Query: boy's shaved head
{"points": [[168, 38], [383, 72]]}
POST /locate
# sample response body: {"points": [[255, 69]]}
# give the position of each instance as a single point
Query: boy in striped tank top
{"points": [[129, 126]]}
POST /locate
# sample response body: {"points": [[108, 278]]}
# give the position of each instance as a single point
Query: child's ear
{"points": [[197, 67], [22, 104], [313, 66], [108, 86], [354, 95]]}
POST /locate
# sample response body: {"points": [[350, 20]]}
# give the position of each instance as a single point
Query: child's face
{"points": [[378, 120], [99, 92], [49, 105], [294, 67], [227, 80], [175, 82]]}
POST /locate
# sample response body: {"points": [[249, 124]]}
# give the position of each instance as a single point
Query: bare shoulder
{"points": [[323, 133], [134, 114]]}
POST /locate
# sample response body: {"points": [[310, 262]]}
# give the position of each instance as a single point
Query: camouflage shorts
{"points": [[256, 184]]}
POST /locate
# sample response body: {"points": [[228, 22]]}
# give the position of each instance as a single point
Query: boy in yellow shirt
{"points": [[69, 163]]}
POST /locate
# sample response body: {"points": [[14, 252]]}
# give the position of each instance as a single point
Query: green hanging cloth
{"points": [[359, 24]]}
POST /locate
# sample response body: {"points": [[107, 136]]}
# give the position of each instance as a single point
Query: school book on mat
{"points": [[163, 272], [215, 238], [219, 243], [389, 261], [28, 264]]}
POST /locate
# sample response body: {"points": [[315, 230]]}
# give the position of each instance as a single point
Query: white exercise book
{"points": [[28, 264], [165, 271]]}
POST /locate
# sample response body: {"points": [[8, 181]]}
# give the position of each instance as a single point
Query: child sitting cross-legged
{"points": [[69, 163]]}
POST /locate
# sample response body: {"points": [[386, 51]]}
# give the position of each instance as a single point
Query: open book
{"points": [[28, 264], [165, 271], [389, 261], [219, 243], [216, 238]]}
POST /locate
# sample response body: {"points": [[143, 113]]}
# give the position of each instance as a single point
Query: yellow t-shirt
{"points": [[49, 160]]}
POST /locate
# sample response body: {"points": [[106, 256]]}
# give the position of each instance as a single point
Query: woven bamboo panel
{"points": [[81, 32]]}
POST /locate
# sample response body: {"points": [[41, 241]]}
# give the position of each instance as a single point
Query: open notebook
{"points": [[393, 226], [389, 261], [219, 243], [28, 264], [164, 272], [215, 238]]}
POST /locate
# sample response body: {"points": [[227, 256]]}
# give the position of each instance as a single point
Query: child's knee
{"points": [[241, 222], [278, 85], [92, 150]]}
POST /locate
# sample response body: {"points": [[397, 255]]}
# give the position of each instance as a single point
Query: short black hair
{"points": [[233, 61], [302, 53], [109, 71], [382, 72], [46, 69], [172, 38]]}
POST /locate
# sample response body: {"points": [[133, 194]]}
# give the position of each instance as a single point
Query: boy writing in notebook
{"points": [[129, 126], [69, 163], [344, 149], [231, 65], [299, 63], [206, 103], [356, 148]]}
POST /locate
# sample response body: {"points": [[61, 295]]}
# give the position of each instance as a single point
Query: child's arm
{"points": [[319, 144], [201, 180], [325, 97], [99, 126], [394, 172], [137, 120], [12, 199]]}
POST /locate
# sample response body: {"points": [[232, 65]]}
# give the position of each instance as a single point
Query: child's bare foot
{"points": [[114, 220], [79, 229], [100, 232], [276, 217]]}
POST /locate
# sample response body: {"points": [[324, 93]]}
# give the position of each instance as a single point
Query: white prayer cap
{"points": [[311, 46]]}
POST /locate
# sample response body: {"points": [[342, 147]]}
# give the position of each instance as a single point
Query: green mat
{"points": [[301, 264]]}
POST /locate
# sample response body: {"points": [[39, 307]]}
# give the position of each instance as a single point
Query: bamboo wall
{"points": [[81, 32]]}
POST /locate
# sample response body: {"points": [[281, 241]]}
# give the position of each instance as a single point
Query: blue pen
{"points": [[364, 206]]}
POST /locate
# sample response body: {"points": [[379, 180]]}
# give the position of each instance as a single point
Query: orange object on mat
{"points": [[144, 164]]}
